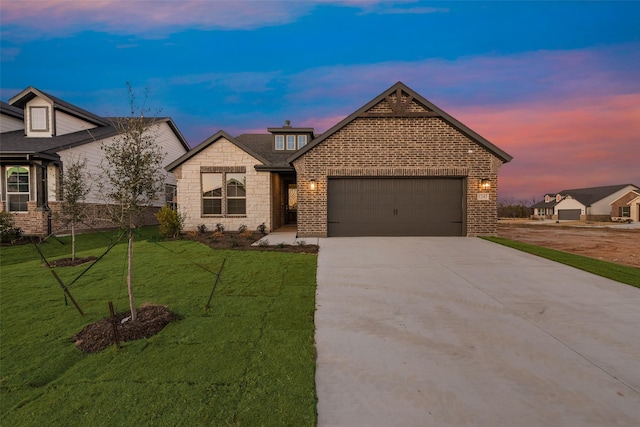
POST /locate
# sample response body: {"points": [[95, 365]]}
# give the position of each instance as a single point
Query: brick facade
{"points": [[397, 146], [397, 134], [624, 202]]}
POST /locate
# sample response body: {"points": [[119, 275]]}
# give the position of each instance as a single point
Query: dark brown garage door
{"points": [[396, 207], [573, 214]]}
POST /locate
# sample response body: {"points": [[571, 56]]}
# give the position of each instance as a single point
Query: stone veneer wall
{"points": [[394, 146], [223, 154]]}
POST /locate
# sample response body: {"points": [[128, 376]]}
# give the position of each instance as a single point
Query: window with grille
{"points": [[39, 119], [224, 200], [17, 188]]}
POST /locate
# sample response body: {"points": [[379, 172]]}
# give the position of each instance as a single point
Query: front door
{"points": [[291, 204]]}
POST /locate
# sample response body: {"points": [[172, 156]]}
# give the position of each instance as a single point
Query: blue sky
{"points": [[555, 84]]}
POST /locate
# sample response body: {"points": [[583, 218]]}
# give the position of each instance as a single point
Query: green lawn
{"points": [[610, 270], [248, 360]]}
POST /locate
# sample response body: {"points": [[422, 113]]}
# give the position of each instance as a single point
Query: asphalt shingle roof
{"points": [[587, 196], [262, 145], [17, 142]]}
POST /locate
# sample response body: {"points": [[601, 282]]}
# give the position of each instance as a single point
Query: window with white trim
{"points": [[624, 211], [302, 141], [39, 119], [279, 142], [17, 188], [291, 142]]}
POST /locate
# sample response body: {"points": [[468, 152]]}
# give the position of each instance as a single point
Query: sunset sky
{"points": [[554, 84]]}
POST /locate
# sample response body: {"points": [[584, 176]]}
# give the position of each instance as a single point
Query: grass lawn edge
{"points": [[618, 272]]}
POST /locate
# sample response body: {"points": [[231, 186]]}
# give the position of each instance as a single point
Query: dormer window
{"points": [[279, 142], [288, 138], [39, 119], [291, 142]]}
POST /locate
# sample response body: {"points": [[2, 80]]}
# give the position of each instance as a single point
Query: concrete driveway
{"points": [[429, 331]]}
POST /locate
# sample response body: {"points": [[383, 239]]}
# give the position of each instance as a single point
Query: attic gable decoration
{"points": [[399, 104]]}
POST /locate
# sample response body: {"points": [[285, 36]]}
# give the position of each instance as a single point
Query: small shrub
{"points": [[301, 242], [170, 222], [202, 228], [244, 231], [219, 228], [234, 242], [218, 233], [281, 245], [263, 243], [8, 230], [262, 228]]}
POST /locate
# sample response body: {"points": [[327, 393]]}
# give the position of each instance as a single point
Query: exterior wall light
{"points": [[485, 184], [312, 184]]}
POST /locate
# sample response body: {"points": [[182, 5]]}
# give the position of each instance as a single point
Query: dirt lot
{"points": [[621, 246]]}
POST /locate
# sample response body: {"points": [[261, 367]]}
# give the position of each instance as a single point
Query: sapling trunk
{"points": [[132, 305], [73, 241]]}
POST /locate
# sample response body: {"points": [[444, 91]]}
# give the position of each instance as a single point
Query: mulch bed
{"points": [[244, 242], [100, 335]]}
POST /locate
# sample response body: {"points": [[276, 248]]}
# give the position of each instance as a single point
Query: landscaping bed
{"points": [[245, 241], [102, 334]]}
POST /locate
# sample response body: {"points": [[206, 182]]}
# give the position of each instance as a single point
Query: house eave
{"points": [[27, 157], [268, 168]]}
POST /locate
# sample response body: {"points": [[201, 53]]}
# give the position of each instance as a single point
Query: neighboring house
{"points": [[39, 133], [626, 207], [592, 204], [397, 166]]}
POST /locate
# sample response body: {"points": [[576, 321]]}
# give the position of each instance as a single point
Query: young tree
{"points": [[132, 176], [75, 187]]}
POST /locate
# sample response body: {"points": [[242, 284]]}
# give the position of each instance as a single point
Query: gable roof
{"points": [[588, 196], [543, 204], [21, 99], [257, 145], [636, 192], [434, 111], [243, 145], [16, 142], [12, 111]]}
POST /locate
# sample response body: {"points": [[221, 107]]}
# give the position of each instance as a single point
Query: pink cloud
{"points": [[579, 142], [152, 18]]}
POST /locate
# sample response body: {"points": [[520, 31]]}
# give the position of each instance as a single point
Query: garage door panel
{"points": [[395, 207], [569, 214]]}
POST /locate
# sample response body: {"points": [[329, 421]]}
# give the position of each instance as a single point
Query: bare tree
{"points": [[75, 187], [132, 176]]}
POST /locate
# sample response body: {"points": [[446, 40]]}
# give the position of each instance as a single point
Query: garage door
{"points": [[573, 214], [396, 207]]}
